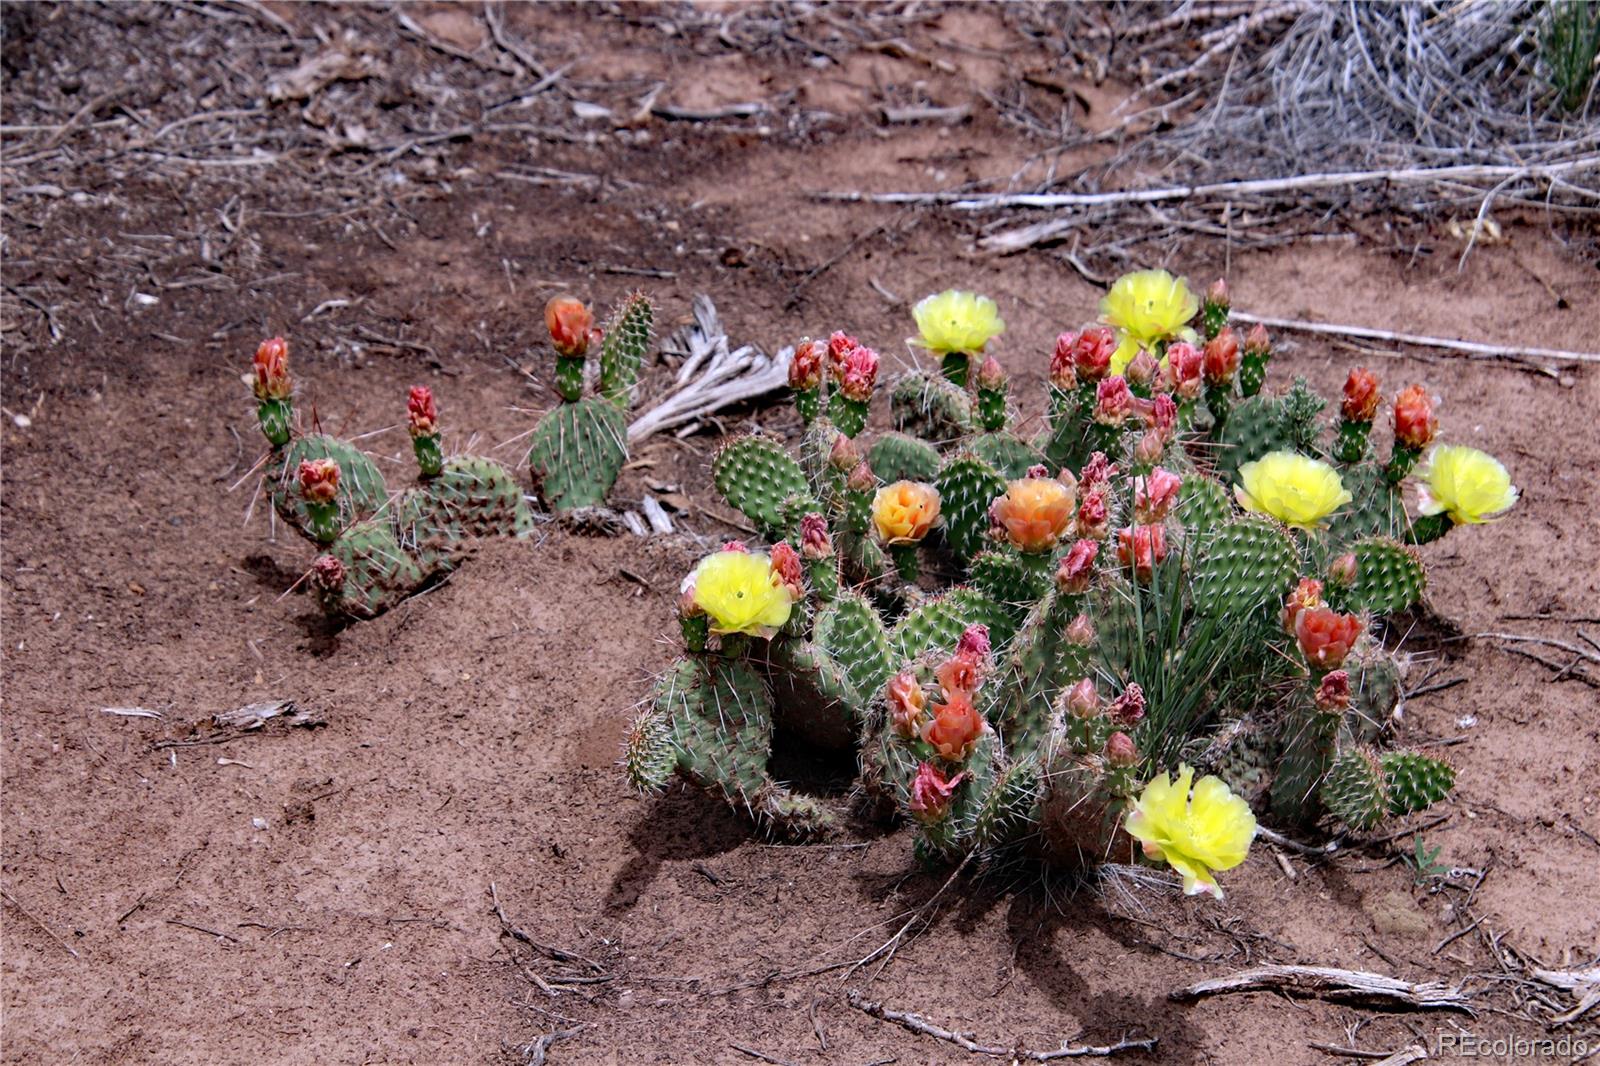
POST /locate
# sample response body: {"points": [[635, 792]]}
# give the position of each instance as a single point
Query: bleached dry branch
{"points": [[1327, 982]]}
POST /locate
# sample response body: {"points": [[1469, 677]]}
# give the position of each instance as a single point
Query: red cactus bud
{"points": [[955, 726], [1037, 470], [688, 606], [1142, 368], [1128, 708], [1113, 401], [1093, 514], [1154, 496], [1097, 472], [858, 374], [908, 704], [1326, 636], [271, 366], [328, 573], [840, 345], [991, 375], [1361, 397], [805, 368], [1188, 366], [861, 479], [931, 792], [1149, 449], [1091, 352], [1076, 568], [571, 326], [1256, 342], [1342, 571], [1080, 631], [319, 480], [1142, 548], [974, 644], [1217, 295], [1414, 421], [1083, 699], [421, 412], [1306, 596], [1220, 360], [1333, 694], [786, 565], [1164, 417], [1062, 374], [815, 543], [736, 546], [844, 455], [1120, 750]]}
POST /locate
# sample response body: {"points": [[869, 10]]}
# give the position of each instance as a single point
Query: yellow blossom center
{"points": [[1468, 485], [1144, 307], [740, 593]]}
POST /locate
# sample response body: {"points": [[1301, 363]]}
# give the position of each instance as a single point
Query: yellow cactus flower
{"points": [[905, 511], [1196, 834], [1147, 306], [1293, 488], [1465, 483], [954, 321], [740, 593]]}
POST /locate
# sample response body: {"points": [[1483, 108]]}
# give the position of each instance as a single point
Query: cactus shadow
{"points": [[681, 825], [269, 573]]}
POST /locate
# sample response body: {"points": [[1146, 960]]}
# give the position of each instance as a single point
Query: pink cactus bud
{"points": [[1164, 417], [1188, 367], [805, 368], [1062, 374], [1093, 515], [1256, 342], [974, 644], [1155, 495], [1076, 568], [844, 456], [991, 376], [1149, 448], [688, 606], [1142, 368], [859, 374], [908, 704], [319, 480], [271, 367], [1414, 421], [328, 573], [1083, 699], [1092, 351], [1037, 470], [1142, 548], [1217, 295], [1326, 636], [1333, 694], [1097, 472], [571, 326], [736, 546], [1306, 595], [1120, 750], [815, 543], [1361, 397], [422, 414], [786, 565], [840, 345], [931, 793], [861, 479], [1113, 401], [1342, 571], [1221, 358], [1128, 708], [1080, 631]]}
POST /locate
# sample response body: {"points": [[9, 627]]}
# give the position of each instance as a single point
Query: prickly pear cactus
{"points": [[756, 476], [578, 451], [897, 457], [932, 408], [1389, 578], [627, 336], [365, 572], [1245, 564], [469, 497], [361, 488], [967, 486]]}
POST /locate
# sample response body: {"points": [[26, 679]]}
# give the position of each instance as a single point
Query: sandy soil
{"points": [[323, 894]]}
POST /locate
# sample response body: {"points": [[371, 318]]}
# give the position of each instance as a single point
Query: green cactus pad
{"points": [[816, 448], [1009, 456], [931, 408], [362, 491], [1080, 819], [1009, 809], [1243, 756], [897, 457], [940, 621], [578, 451], [469, 497], [1300, 407], [967, 486], [1039, 664], [812, 693], [1203, 505], [1416, 782], [756, 476], [1376, 508], [1389, 578], [1353, 790], [622, 350], [1254, 427], [1246, 563], [853, 635], [1006, 579], [378, 573]]}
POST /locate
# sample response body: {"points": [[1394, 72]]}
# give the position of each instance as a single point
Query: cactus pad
{"points": [[941, 620], [967, 486], [622, 350], [1416, 782], [897, 457], [1006, 579], [578, 451], [378, 573], [853, 635], [1203, 504], [931, 408], [756, 476], [469, 497], [1389, 578], [1353, 791], [1009, 456], [361, 488], [1247, 563]]}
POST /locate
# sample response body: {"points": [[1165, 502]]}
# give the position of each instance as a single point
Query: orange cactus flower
{"points": [[955, 726], [905, 511], [1035, 512], [571, 326], [1326, 636]]}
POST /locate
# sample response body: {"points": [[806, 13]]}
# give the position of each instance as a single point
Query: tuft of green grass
{"points": [[1571, 42], [1424, 861]]}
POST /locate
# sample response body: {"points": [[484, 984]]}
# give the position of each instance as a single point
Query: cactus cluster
{"points": [[1020, 636], [381, 546]]}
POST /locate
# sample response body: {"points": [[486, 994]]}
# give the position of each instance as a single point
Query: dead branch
{"points": [[1068, 1050], [1470, 348], [1584, 986], [1326, 982]]}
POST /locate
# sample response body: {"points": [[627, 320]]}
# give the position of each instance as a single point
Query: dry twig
{"points": [[1068, 1050], [1326, 982]]}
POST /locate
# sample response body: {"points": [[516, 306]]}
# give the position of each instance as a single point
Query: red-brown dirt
{"points": [[322, 895]]}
